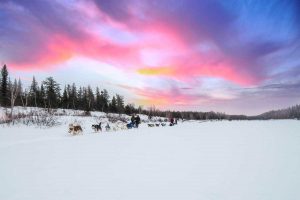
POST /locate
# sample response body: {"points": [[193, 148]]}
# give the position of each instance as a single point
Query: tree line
{"points": [[287, 113], [50, 95]]}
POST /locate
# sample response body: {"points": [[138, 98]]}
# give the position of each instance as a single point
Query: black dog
{"points": [[97, 127]]}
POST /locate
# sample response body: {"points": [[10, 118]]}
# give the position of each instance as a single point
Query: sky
{"points": [[238, 57]]}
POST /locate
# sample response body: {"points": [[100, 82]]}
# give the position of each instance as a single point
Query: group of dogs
{"points": [[161, 124], [157, 125], [76, 129], [98, 127]]}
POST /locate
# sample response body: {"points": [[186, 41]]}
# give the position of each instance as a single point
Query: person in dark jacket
{"points": [[132, 120], [137, 121], [172, 121]]}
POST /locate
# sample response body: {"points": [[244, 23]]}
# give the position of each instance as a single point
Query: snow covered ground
{"points": [[228, 160]]}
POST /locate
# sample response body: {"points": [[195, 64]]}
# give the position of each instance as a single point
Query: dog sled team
{"points": [[173, 121], [76, 129]]}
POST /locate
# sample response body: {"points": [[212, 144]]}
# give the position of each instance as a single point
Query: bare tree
{"points": [[14, 92], [24, 99]]}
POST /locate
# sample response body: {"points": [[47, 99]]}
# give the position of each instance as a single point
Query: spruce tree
{"points": [[33, 93], [80, 99], [65, 99], [52, 90], [73, 96], [85, 100], [4, 93], [129, 109], [113, 105], [104, 100], [120, 103], [98, 105]]}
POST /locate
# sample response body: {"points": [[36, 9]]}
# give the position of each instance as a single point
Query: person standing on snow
{"points": [[172, 121], [133, 120], [137, 121]]}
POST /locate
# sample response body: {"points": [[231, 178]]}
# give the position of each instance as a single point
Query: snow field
{"points": [[211, 160]]}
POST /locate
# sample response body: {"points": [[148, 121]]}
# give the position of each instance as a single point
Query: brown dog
{"points": [[75, 129]]}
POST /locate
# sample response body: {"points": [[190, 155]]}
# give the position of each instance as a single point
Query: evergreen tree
{"points": [[85, 100], [73, 96], [52, 90], [129, 109], [33, 93], [113, 105], [42, 98], [65, 99], [80, 99], [4, 93], [104, 100], [98, 105], [120, 103]]}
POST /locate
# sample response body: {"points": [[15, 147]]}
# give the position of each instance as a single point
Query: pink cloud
{"points": [[161, 48], [60, 48]]}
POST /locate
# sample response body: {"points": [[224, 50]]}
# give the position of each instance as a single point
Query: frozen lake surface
{"points": [[228, 160]]}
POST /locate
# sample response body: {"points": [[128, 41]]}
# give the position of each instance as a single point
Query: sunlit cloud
{"points": [[156, 48]]}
